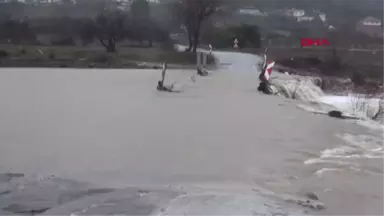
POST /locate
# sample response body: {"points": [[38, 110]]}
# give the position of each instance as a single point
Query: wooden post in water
{"points": [[198, 61], [205, 57], [163, 72], [201, 58]]}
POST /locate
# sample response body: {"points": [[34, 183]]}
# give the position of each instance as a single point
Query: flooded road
{"points": [[112, 129]]}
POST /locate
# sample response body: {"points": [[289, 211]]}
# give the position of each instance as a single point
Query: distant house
{"points": [[295, 12], [310, 16], [371, 21], [323, 17], [281, 33], [370, 26], [251, 11], [305, 18], [331, 28]]}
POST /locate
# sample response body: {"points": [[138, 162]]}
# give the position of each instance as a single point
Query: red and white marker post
{"points": [[268, 70]]}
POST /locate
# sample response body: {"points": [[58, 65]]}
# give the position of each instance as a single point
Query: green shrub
{"points": [[176, 57], [23, 51], [358, 79], [51, 55], [63, 41], [100, 58], [3, 54]]}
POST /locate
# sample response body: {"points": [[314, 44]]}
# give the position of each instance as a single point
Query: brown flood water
{"points": [[111, 127]]}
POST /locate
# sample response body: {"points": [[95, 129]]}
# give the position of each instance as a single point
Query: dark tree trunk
{"points": [[194, 13], [196, 40], [110, 46], [111, 49], [190, 38], [196, 35]]}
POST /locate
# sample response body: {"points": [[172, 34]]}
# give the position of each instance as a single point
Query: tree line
{"points": [[113, 22]]}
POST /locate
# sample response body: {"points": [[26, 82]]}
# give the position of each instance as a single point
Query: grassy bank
{"points": [[92, 57]]}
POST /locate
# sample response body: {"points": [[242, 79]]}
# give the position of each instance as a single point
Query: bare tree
{"points": [[142, 21], [193, 13], [109, 28]]}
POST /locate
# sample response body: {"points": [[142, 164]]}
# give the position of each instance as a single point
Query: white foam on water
{"points": [[327, 161], [307, 89], [355, 104], [341, 152], [296, 87], [365, 142], [321, 171], [316, 107], [220, 204], [360, 146], [370, 124]]}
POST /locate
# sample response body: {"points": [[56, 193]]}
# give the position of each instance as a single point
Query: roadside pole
{"points": [[236, 43]]}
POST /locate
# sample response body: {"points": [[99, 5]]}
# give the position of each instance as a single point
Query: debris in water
{"points": [[142, 192], [160, 83], [340, 115], [193, 78], [10, 176], [202, 71], [335, 114], [19, 209], [312, 196], [265, 87], [315, 205], [5, 192], [311, 202]]}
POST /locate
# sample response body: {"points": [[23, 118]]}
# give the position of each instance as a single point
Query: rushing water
{"points": [[232, 149], [356, 156], [305, 89]]}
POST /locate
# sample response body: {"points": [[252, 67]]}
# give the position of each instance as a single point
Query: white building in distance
{"points": [[295, 12]]}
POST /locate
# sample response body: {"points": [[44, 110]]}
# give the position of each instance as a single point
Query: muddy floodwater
{"points": [[113, 129]]}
